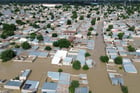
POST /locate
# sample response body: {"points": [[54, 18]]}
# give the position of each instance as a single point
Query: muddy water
{"points": [[97, 76]]}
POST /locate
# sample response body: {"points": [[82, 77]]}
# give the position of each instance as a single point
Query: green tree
{"points": [[131, 49], [48, 25], [87, 54], [81, 18], [25, 45], [118, 60], [74, 15], [48, 48], [131, 28], [20, 22], [120, 35], [89, 33], [93, 21], [90, 29], [60, 70], [7, 55], [68, 22], [85, 67], [124, 89], [75, 83], [104, 59], [54, 35], [56, 44], [40, 37], [9, 27], [32, 36], [76, 65], [62, 43]]}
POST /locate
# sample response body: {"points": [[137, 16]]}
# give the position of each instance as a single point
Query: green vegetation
{"points": [[62, 43], [48, 25], [89, 34], [81, 18], [85, 67], [48, 48], [74, 15], [25, 45], [120, 35], [7, 55], [131, 28], [68, 22], [8, 30], [54, 35], [76, 65], [90, 29], [74, 84], [60, 70], [93, 21], [40, 37], [109, 28], [17, 46], [104, 59], [32, 36], [131, 48], [118, 60], [34, 25], [87, 54], [19, 22], [124, 89]]}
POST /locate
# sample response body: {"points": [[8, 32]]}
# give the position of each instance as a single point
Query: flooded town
{"points": [[63, 48]]}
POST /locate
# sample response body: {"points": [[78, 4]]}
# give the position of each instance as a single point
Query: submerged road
{"points": [[98, 77]]}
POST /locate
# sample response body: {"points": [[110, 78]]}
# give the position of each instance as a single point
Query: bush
{"points": [[104, 59], [62, 43], [120, 35], [76, 65], [87, 54], [48, 48], [124, 89], [131, 49], [118, 60], [54, 35], [40, 38], [60, 70], [90, 29], [68, 22], [25, 45], [17, 46], [85, 67], [7, 55]]}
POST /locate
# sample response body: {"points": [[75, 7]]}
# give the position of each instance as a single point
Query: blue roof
{"points": [[26, 73], [90, 44], [18, 50], [14, 83], [49, 86], [82, 90], [29, 84], [38, 53], [81, 56], [128, 66]]}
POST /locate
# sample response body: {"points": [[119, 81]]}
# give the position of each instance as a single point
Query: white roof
{"points": [[61, 54], [56, 60]]}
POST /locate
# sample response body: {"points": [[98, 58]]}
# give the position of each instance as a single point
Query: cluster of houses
{"points": [[56, 82], [63, 57], [118, 47], [41, 16]]}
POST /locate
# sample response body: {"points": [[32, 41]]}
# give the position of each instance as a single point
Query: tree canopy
{"points": [[62, 43], [120, 35], [7, 55], [118, 60], [25, 45], [104, 59], [85, 67], [131, 48], [76, 65]]}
